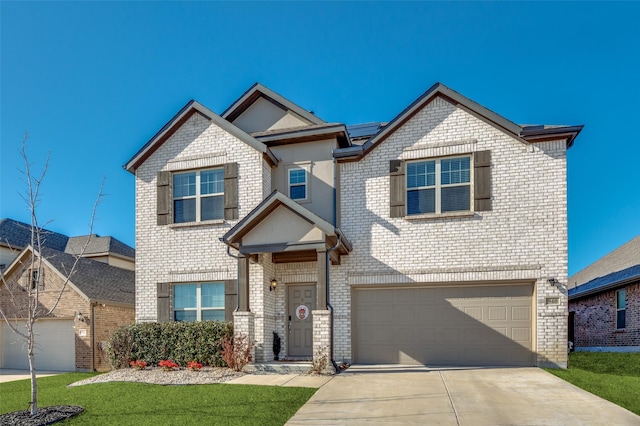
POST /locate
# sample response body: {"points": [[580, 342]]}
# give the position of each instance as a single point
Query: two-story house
{"points": [[437, 238]]}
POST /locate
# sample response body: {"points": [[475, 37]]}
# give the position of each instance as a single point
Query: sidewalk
{"points": [[287, 380]]}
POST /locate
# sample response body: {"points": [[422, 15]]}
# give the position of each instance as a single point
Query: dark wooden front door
{"points": [[302, 300]]}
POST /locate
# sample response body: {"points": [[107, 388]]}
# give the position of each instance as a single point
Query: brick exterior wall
{"points": [[107, 319], [523, 238], [71, 302], [595, 319]]}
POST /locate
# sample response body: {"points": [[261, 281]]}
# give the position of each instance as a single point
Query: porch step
{"points": [[276, 367]]}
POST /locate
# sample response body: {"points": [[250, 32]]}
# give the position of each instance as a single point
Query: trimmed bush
{"points": [[179, 341]]}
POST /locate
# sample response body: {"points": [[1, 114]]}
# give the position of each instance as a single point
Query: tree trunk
{"points": [[32, 368]]}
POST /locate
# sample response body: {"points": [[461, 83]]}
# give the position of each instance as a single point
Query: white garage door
{"points": [[55, 346], [464, 325]]}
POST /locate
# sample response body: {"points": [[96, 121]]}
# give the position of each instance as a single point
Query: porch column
{"points": [[321, 289], [243, 283]]}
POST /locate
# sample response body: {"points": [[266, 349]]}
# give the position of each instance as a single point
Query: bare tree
{"points": [[25, 299]]}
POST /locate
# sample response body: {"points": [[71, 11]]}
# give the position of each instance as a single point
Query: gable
{"points": [[264, 115], [282, 226]]}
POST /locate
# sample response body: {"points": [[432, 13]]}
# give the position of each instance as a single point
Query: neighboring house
{"points": [[15, 236], [97, 299], [103, 249], [604, 304], [101, 290], [438, 238]]}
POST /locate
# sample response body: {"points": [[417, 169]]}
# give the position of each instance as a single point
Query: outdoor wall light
{"points": [[274, 284], [553, 281], [79, 317]]}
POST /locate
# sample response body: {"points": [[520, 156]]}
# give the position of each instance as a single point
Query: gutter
{"points": [[93, 336], [611, 286]]}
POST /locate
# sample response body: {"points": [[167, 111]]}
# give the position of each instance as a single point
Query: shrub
{"points": [[194, 366], [138, 365], [236, 351], [168, 365], [179, 341]]}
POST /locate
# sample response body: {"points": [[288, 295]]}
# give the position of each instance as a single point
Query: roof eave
{"points": [[540, 135], [607, 287], [306, 135]]}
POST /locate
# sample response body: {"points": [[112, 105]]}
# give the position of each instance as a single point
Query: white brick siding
{"points": [[524, 237]]}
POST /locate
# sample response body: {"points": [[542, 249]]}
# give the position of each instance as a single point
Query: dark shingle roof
{"points": [[98, 281], [18, 235], [98, 245], [607, 282]]}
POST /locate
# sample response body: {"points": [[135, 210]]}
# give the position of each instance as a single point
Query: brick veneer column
{"points": [[322, 336], [243, 324]]}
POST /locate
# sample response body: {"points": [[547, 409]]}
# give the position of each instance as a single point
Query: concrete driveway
{"points": [[7, 375], [492, 396]]}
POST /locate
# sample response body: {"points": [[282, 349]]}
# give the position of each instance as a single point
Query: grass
{"points": [[612, 376], [144, 404]]}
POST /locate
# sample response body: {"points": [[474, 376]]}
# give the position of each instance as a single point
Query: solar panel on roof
{"points": [[362, 130]]}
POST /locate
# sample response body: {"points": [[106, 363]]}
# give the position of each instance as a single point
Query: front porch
{"points": [[283, 255]]}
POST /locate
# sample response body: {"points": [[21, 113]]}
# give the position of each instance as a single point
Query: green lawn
{"points": [[144, 404], [612, 376]]}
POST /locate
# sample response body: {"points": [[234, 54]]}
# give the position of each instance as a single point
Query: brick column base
{"points": [[243, 324], [322, 340]]}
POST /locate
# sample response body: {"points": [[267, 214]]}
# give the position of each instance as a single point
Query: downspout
{"points": [[93, 336], [237, 281], [329, 300]]}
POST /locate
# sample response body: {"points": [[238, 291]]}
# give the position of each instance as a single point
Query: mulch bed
{"points": [[45, 416]]}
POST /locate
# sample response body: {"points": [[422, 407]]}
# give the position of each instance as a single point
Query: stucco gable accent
{"points": [[257, 91], [269, 206], [193, 107]]}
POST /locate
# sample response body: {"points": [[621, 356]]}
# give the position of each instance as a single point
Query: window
{"points": [[198, 196], [621, 309], [439, 186], [198, 302], [36, 279], [298, 184]]}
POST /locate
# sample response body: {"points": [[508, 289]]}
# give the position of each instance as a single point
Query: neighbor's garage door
{"points": [[464, 325], [55, 346]]}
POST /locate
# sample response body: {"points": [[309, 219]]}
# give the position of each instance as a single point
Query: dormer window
{"points": [[298, 184]]}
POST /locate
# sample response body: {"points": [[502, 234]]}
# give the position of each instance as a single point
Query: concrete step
{"points": [[277, 367]]}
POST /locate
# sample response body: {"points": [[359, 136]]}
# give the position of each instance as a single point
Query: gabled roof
{"points": [[96, 281], [17, 235], [270, 204], [99, 245], [623, 257], [258, 90], [608, 282], [529, 133], [193, 107]]}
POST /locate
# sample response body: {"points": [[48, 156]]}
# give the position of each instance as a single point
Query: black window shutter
{"points": [[231, 191], [230, 298], [164, 306], [482, 180], [164, 198], [397, 188]]}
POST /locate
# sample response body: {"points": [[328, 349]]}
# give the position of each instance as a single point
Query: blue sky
{"points": [[92, 81]]}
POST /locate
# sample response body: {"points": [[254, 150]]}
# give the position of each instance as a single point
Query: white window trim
{"points": [[198, 197], [623, 309], [438, 188], [198, 307], [299, 166]]}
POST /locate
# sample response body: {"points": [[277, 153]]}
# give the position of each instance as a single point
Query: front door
{"points": [[302, 300]]}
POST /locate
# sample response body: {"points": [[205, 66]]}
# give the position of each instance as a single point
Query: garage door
{"points": [[55, 347], [465, 325]]}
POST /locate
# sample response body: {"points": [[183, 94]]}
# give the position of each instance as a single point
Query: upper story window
{"points": [[298, 189], [198, 302], [198, 196], [439, 186], [621, 309]]}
